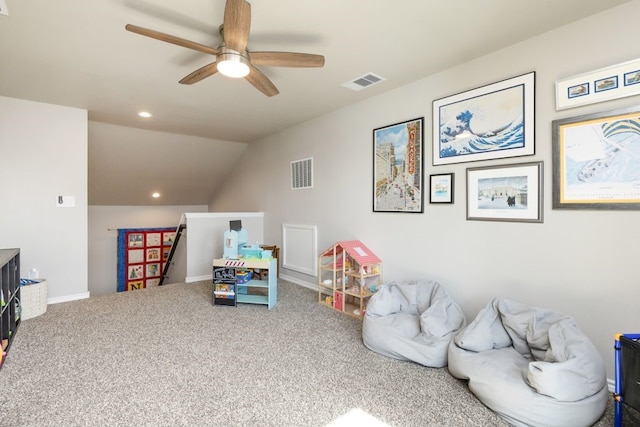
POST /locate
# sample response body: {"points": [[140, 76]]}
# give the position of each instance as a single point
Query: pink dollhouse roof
{"points": [[359, 252]]}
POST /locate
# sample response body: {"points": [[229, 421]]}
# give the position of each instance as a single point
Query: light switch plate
{"points": [[3, 8], [65, 201]]}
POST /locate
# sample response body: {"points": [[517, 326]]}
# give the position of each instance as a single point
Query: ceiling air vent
{"points": [[363, 82], [302, 174]]}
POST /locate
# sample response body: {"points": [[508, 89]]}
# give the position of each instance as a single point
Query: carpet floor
{"points": [[166, 356]]}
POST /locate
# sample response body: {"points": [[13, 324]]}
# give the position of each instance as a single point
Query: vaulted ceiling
{"points": [[78, 54]]}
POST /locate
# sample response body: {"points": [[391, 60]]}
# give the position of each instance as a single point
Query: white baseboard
{"points": [[68, 298], [312, 286], [198, 278]]}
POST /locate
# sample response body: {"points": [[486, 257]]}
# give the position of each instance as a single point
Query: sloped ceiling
{"points": [[78, 54]]}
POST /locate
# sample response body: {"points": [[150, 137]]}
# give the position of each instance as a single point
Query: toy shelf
{"points": [[348, 274], [254, 291]]}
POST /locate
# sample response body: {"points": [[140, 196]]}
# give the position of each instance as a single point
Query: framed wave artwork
{"points": [[490, 122]]}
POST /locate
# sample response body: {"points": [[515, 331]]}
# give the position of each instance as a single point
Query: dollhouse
{"points": [[348, 275]]}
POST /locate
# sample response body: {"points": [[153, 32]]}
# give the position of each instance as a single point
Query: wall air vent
{"points": [[364, 82], [302, 174]]}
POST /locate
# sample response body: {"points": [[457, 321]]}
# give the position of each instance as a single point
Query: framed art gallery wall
{"points": [[541, 263]]}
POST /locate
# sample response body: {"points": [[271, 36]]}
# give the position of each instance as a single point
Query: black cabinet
{"points": [[9, 298]]}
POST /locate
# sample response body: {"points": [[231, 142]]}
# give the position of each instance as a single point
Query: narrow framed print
{"points": [[596, 161], [397, 167], [505, 193], [604, 84], [441, 188], [490, 122]]}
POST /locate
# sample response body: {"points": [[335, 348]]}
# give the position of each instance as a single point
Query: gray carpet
{"points": [[167, 357]]}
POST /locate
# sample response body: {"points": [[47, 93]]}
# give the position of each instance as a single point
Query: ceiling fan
{"points": [[232, 57]]}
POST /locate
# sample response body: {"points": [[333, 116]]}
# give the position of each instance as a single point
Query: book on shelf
{"points": [[224, 291]]}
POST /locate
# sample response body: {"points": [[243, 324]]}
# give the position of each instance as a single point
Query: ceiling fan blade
{"points": [[286, 59], [261, 82], [200, 74], [237, 22], [172, 39]]}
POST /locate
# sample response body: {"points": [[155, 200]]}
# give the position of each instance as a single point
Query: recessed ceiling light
{"points": [[144, 114], [155, 195]]}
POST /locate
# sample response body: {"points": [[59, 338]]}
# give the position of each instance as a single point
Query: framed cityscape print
{"points": [[596, 161], [397, 167], [490, 122], [505, 193]]}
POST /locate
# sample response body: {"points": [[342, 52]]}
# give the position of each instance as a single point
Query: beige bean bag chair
{"points": [[532, 366], [413, 320]]}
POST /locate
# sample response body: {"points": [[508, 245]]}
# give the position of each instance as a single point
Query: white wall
{"points": [[583, 263], [43, 149], [103, 240], [205, 239]]}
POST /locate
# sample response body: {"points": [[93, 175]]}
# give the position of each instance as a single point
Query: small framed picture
{"points": [[581, 89], [505, 193], [607, 83], [441, 188]]}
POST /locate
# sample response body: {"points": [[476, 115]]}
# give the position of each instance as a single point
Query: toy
{"points": [[243, 277], [350, 273], [234, 239], [339, 300], [253, 251]]}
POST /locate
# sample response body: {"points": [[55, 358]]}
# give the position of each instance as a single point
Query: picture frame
{"points": [[490, 122], [604, 84], [596, 160], [505, 193], [441, 186], [398, 167]]}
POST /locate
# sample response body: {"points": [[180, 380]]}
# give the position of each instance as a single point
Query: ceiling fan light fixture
{"points": [[232, 57], [232, 64]]}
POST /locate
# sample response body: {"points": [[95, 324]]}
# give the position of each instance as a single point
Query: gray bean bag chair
{"points": [[413, 320], [532, 366]]}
